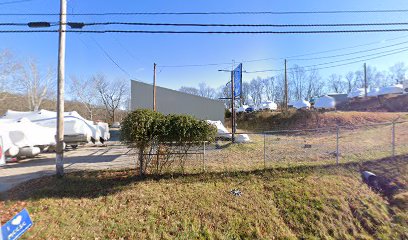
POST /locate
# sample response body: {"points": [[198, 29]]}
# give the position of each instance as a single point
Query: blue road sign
{"points": [[17, 226], [238, 81]]}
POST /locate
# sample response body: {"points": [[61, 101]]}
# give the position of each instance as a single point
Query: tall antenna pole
{"points": [[365, 80], [233, 106], [59, 150], [154, 87], [286, 87]]}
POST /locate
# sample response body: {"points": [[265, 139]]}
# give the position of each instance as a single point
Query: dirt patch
{"points": [[390, 103], [301, 119]]}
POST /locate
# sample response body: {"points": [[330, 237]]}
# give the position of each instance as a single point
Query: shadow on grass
{"points": [[94, 184]]}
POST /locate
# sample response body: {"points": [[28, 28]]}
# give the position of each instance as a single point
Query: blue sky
{"points": [[136, 53]]}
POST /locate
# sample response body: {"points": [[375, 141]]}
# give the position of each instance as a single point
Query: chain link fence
{"points": [[336, 144], [322, 146]]}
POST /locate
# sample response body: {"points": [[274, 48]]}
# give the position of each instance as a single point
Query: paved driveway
{"points": [[113, 156]]}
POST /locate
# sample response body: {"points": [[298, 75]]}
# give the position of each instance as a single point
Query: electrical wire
{"points": [[313, 67], [216, 32], [214, 13], [247, 25], [110, 57], [243, 32], [288, 57], [348, 54], [14, 2]]}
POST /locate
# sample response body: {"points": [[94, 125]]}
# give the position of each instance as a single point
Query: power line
{"points": [[14, 2], [215, 32], [110, 58], [288, 57], [348, 54], [360, 61], [243, 32], [219, 24], [214, 13], [247, 25], [194, 65], [381, 54]]}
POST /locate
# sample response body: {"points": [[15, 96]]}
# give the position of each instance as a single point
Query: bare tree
{"points": [[337, 84], [314, 84], [359, 79], [190, 90], [35, 85], [206, 91], [7, 67], [297, 77], [350, 81], [112, 94], [245, 92], [269, 88], [224, 92], [398, 72], [256, 90], [85, 92]]}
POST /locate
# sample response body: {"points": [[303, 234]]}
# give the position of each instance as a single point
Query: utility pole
{"points": [[59, 159], [365, 80], [232, 107], [154, 87], [286, 87]]}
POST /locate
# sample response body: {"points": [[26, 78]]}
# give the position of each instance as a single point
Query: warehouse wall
{"points": [[170, 101]]}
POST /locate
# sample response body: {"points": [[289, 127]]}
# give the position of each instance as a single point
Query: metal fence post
{"points": [[393, 139], [204, 157], [337, 144], [264, 150]]}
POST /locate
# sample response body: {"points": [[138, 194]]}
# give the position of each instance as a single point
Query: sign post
{"points": [[16, 227], [236, 84]]}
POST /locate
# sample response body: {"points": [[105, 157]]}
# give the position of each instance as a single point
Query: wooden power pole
{"points": [[59, 159], [365, 80], [286, 87], [154, 87], [232, 107]]}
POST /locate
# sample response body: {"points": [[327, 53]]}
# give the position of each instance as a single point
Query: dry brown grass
{"points": [[267, 121], [299, 202]]}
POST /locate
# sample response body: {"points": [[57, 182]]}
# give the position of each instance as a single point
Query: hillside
{"points": [[329, 202], [393, 103], [267, 121], [19, 103]]}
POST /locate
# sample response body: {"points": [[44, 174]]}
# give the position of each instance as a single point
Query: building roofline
{"points": [[210, 99]]}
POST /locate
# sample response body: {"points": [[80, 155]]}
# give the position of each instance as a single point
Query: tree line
{"points": [[33, 89], [304, 84]]}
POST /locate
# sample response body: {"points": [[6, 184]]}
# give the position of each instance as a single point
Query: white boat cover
{"points": [[373, 92], [395, 89], [104, 128], [242, 108], [74, 123], [23, 133], [221, 130], [356, 93], [325, 102], [269, 105], [301, 104], [242, 138]]}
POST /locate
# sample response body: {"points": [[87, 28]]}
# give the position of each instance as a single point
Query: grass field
{"points": [[302, 193], [284, 149], [326, 202]]}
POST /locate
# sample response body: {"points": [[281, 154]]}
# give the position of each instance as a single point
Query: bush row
{"points": [[144, 127]]}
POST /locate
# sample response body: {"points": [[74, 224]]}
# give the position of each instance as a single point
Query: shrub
{"points": [[227, 113], [150, 132]]}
